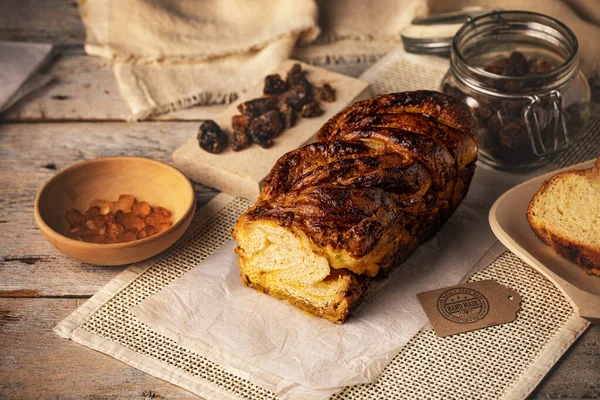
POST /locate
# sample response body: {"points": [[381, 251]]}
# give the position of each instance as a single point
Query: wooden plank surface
{"points": [[55, 21], [577, 374], [37, 364]]}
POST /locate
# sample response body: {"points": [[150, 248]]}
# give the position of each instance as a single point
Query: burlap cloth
{"points": [[172, 54]]}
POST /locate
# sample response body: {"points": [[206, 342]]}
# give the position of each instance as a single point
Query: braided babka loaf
{"points": [[383, 177]]}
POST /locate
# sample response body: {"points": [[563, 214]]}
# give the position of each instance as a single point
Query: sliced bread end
{"points": [[565, 214]]}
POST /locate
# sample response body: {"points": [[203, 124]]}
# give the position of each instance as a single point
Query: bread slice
{"points": [[281, 262], [565, 214]]}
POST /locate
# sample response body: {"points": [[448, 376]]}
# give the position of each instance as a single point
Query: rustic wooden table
{"points": [[78, 117]]}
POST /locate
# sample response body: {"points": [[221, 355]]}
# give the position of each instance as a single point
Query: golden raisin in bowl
{"points": [[120, 221]]}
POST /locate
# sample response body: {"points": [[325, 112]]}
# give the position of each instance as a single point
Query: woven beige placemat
{"points": [[500, 362]]}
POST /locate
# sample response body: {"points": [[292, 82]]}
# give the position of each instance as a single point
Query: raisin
{"points": [[519, 63], [511, 136], [131, 221], [114, 230], [483, 111], [311, 110], [296, 69], [297, 77], [255, 107], [141, 209], [124, 203], [288, 115], [158, 221], [211, 138], [497, 66], [209, 125], [508, 70], [274, 85], [74, 217], [240, 140], [127, 237], [269, 123], [103, 204], [324, 93], [161, 210], [539, 66]]}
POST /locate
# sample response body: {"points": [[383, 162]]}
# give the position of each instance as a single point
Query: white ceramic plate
{"points": [[509, 223]]}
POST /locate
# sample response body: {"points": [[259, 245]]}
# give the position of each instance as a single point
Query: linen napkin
{"points": [[172, 54], [19, 66]]}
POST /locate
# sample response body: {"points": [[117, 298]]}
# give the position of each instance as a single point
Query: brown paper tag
{"points": [[469, 306]]}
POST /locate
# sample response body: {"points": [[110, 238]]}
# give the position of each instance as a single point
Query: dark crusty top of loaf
{"points": [[386, 170], [436, 105]]}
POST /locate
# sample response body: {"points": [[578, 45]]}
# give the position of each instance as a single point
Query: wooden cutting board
{"points": [[241, 173], [509, 223]]}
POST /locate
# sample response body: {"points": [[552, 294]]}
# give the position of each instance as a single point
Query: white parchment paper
{"points": [[296, 355]]}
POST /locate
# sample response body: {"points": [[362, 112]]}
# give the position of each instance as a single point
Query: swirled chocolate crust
{"points": [[382, 178]]}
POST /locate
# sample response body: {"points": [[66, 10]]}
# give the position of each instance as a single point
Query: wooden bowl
{"points": [[107, 178]]}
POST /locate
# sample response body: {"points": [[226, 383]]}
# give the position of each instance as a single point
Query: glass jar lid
{"points": [[433, 34]]}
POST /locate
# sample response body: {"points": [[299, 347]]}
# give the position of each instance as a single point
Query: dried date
{"points": [[288, 115], [264, 118], [540, 66], [255, 107], [497, 66], [240, 140], [269, 123], [311, 110], [211, 138], [239, 123], [324, 93], [519, 63], [297, 77], [504, 136], [274, 85], [297, 97], [262, 139]]}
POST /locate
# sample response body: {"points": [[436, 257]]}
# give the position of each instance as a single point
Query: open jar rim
{"points": [[527, 24]]}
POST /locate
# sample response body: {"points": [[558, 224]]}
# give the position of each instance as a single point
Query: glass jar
{"points": [[519, 74]]}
